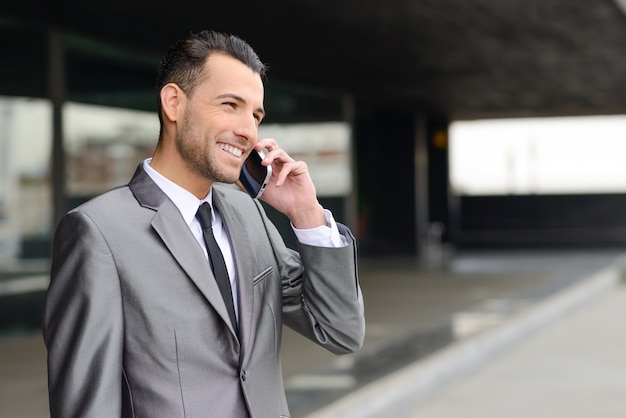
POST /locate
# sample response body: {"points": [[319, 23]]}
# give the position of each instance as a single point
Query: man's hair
{"points": [[183, 64]]}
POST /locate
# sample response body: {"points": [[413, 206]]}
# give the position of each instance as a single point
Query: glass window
{"points": [[325, 147], [104, 145], [567, 155], [25, 195]]}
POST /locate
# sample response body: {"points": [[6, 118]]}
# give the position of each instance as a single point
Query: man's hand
{"points": [[290, 190]]}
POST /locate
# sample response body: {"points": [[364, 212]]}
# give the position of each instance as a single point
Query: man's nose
{"points": [[247, 127]]}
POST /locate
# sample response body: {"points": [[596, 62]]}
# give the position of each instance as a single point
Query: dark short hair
{"points": [[183, 63]]}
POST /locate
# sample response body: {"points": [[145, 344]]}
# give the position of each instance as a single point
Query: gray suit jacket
{"points": [[135, 326]]}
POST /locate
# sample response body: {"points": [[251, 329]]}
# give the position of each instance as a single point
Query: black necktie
{"points": [[217, 260]]}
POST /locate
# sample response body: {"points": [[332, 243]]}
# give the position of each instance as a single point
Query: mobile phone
{"points": [[254, 176]]}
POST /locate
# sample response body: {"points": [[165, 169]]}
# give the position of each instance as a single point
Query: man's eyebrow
{"points": [[239, 99]]}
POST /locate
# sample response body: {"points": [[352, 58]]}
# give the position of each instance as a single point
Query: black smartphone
{"points": [[254, 176]]}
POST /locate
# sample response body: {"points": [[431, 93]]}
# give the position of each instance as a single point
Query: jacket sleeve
{"points": [[83, 324], [321, 293]]}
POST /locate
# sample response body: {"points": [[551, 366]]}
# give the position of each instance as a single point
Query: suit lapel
{"points": [[241, 243], [175, 234]]}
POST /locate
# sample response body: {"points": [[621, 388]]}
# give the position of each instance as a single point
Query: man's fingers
{"points": [[268, 143], [293, 168]]}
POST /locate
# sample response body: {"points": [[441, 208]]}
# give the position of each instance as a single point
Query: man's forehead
{"points": [[220, 61], [232, 73]]}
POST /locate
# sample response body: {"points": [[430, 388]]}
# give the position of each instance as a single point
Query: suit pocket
{"points": [[262, 276]]}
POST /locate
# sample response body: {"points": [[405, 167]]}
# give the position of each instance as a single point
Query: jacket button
{"points": [[244, 375]]}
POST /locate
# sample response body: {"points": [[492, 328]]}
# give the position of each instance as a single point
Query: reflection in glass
{"points": [[25, 208], [325, 147], [104, 146]]}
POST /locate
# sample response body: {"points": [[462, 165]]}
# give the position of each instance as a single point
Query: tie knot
{"points": [[204, 215]]}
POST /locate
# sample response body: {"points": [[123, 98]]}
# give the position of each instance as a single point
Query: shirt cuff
{"points": [[322, 236]]}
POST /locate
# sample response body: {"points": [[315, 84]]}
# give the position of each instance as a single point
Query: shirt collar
{"points": [[186, 202]]}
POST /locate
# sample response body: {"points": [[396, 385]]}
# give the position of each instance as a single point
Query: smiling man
{"points": [[136, 322]]}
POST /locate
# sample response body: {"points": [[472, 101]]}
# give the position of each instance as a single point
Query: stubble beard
{"points": [[198, 158]]}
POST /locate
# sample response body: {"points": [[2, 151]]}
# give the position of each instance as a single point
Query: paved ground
{"points": [[576, 369], [416, 313], [483, 331]]}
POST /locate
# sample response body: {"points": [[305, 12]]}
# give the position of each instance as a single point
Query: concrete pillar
{"points": [[402, 181], [420, 148], [57, 93], [384, 142]]}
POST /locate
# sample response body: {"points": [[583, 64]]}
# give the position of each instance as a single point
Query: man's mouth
{"points": [[230, 149]]}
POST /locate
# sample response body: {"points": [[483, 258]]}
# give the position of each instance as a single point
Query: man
{"points": [[135, 324]]}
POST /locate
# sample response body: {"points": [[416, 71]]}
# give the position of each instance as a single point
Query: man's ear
{"points": [[172, 102]]}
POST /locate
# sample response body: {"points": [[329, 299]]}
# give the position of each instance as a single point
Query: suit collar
{"points": [[145, 190], [186, 202]]}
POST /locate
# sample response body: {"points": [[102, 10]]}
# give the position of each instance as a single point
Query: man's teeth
{"points": [[228, 148]]}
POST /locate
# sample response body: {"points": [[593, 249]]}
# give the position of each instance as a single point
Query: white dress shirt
{"points": [[323, 236]]}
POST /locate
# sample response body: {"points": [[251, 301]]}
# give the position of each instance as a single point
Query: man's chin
{"points": [[226, 178]]}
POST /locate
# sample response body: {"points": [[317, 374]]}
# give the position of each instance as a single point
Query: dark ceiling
{"points": [[465, 58]]}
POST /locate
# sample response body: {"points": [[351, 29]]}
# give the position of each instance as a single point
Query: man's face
{"points": [[221, 119]]}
